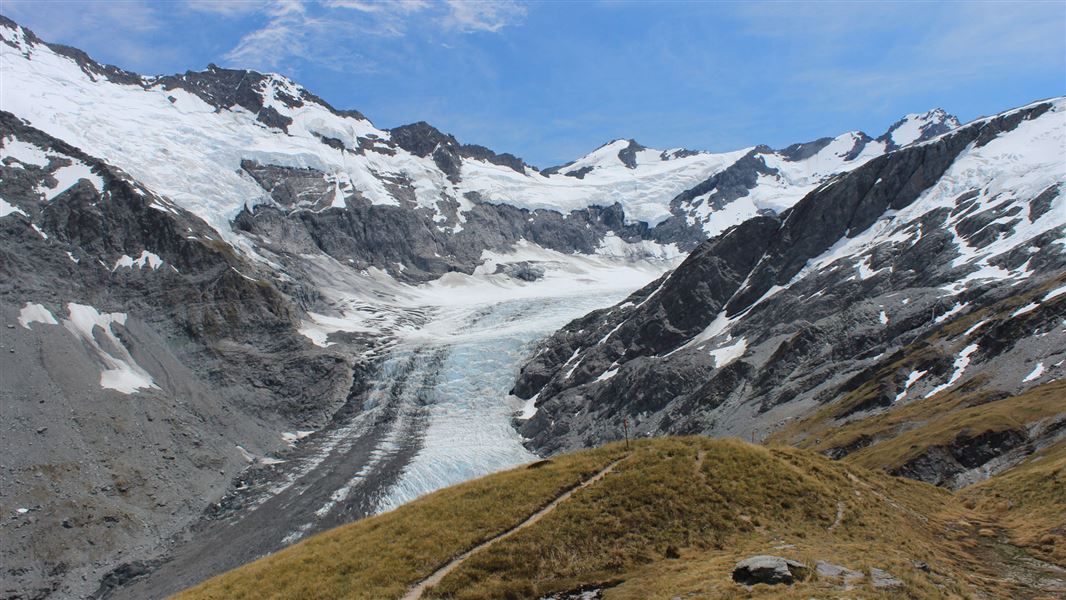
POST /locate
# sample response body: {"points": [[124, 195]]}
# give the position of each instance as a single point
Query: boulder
{"points": [[770, 570]]}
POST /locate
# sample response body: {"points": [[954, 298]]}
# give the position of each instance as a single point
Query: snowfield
{"points": [[188, 151]]}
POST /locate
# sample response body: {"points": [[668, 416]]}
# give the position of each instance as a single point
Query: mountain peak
{"points": [[919, 127]]}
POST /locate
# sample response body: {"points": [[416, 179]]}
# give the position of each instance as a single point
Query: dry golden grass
{"points": [[1030, 501], [671, 519], [382, 556], [745, 500]]}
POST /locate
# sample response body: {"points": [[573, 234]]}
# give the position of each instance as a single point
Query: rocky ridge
{"points": [[859, 285]]}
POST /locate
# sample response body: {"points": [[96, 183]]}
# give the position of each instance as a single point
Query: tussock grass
{"points": [[1030, 500], [744, 500], [382, 556], [671, 519]]}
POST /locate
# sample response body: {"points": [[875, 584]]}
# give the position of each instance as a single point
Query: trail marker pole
{"points": [[625, 427]]}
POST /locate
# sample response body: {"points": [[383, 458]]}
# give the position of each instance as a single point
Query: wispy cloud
{"points": [[338, 32], [284, 34], [127, 29], [469, 15], [227, 8], [396, 6]]}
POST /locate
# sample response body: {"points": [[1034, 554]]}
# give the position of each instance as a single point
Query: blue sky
{"points": [[550, 81]]}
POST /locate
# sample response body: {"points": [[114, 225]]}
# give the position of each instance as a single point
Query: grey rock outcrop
{"points": [[746, 334], [770, 570], [211, 341], [826, 569], [883, 580]]}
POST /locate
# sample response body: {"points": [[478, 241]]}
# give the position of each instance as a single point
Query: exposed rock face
{"points": [[147, 346], [628, 155], [422, 139], [770, 570], [364, 234], [779, 315], [506, 159]]}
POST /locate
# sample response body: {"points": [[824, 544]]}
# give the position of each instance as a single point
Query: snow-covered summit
{"points": [[204, 139], [919, 127]]}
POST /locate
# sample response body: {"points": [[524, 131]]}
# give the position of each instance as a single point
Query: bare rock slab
{"points": [[771, 570]]}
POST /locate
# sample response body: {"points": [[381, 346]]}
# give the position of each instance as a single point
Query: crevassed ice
{"points": [[469, 431]]}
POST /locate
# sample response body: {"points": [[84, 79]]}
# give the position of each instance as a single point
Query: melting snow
{"points": [[1055, 293], [122, 373], [35, 313], [146, 259], [912, 378], [290, 437], [71, 174], [1025, 309], [607, 374], [975, 327], [7, 208], [961, 362], [727, 354], [529, 407], [1037, 371], [24, 152], [954, 310]]}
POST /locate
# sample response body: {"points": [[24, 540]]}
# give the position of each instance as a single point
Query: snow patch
{"points": [[1028, 308], [1055, 293], [912, 378], [71, 174], [35, 313], [146, 259], [727, 354], [954, 310], [24, 152], [607, 374], [121, 372], [961, 362], [6, 208], [1035, 374]]}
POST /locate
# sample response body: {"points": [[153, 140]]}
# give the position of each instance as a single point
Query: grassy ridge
{"points": [[671, 519], [380, 557], [666, 501]]}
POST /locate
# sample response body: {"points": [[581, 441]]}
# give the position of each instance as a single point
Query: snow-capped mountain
{"points": [[221, 142], [935, 268], [236, 315]]}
